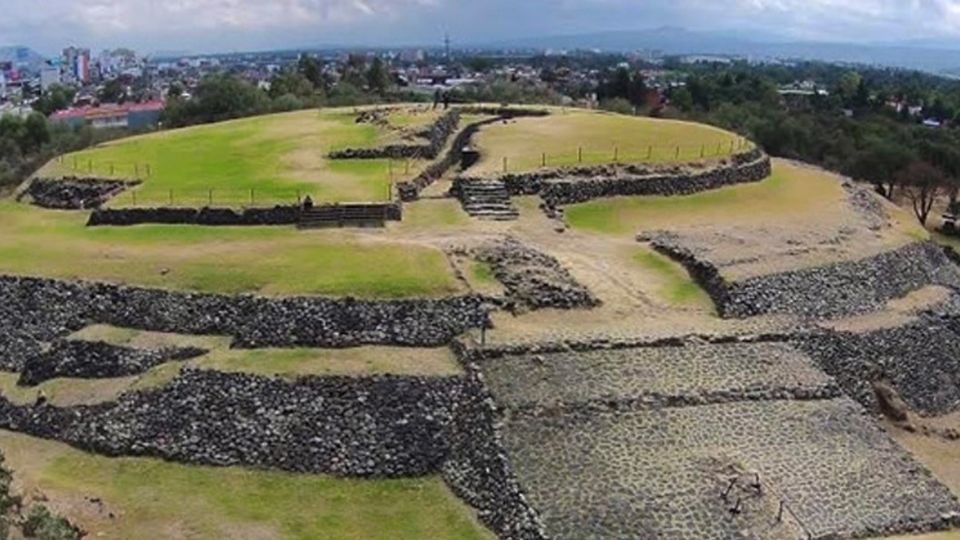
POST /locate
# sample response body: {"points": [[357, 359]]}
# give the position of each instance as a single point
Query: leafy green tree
{"points": [[682, 99], [56, 98], [378, 76], [309, 67], [290, 82], [112, 92]]}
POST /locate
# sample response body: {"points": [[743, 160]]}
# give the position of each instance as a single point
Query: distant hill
{"points": [[935, 56], [22, 57]]}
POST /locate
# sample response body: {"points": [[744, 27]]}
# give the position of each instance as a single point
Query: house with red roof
{"points": [[134, 116]]}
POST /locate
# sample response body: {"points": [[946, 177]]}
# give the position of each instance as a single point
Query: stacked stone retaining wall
{"points": [[410, 190], [277, 215], [73, 193], [832, 290], [437, 137], [35, 311], [97, 360], [570, 185], [381, 426]]}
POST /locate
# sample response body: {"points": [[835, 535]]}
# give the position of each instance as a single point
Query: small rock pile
{"points": [[73, 193], [532, 278], [97, 360]]}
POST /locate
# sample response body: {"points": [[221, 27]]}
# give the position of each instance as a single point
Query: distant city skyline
{"points": [[239, 25]]}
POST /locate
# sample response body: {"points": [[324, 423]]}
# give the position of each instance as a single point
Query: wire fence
{"points": [[591, 155], [154, 190]]}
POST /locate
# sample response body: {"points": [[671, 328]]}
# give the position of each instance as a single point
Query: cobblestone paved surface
{"points": [[661, 473], [684, 423], [651, 374]]}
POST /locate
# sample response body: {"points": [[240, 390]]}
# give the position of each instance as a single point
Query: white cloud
{"points": [[237, 24]]}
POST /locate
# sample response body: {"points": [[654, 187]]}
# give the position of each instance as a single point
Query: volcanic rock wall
{"points": [[437, 136], [73, 193], [381, 426], [34, 311], [532, 278], [97, 360], [410, 190], [569, 185], [277, 215], [919, 360], [842, 288]]}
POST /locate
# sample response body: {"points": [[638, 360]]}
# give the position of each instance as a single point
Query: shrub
{"points": [[44, 525]]}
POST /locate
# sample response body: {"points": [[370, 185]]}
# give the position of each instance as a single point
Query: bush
{"points": [[44, 525], [617, 105]]}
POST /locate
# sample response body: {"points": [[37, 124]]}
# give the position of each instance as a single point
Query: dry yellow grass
{"points": [[603, 138]]}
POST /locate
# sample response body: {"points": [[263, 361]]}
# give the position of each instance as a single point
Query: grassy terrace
{"points": [[155, 499], [276, 156], [791, 190], [265, 260], [602, 137]]}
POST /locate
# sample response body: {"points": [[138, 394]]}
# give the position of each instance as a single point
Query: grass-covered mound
{"points": [[265, 260], [150, 498], [276, 156], [603, 138], [790, 191]]}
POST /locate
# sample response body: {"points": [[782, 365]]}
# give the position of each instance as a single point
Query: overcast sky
{"points": [[225, 25]]}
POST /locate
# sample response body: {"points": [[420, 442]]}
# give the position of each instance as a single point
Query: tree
{"points": [[112, 92], [289, 82], [923, 184], [56, 98], [378, 77], [310, 69], [881, 163], [682, 99], [848, 86]]}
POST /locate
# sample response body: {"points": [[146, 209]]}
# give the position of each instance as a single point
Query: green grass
{"points": [[152, 498], [262, 160], [790, 190], [481, 273], [266, 260], [603, 138], [676, 286]]}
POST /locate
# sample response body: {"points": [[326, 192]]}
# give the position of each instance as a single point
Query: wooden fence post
{"points": [[702, 150], [504, 163], [171, 197], [677, 155], [543, 159], [580, 154], [616, 154], [210, 197]]}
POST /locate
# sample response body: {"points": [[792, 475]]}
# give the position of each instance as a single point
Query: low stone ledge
{"points": [[34, 311], [478, 469], [381, 426], [74, 193], [437, 136], [277, 215], [833, 290], [532, 279], [570, 185], [97, 360]]}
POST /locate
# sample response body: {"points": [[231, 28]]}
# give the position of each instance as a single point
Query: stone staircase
{"points": [[343, 215], [487, 200]]}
